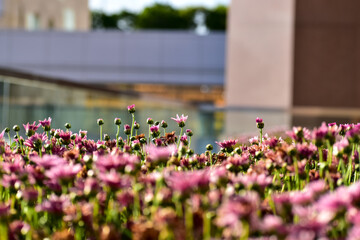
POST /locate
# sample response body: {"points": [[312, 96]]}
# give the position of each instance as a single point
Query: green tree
{"points": [[160, 16], [101, 20], [216, 18], [188, 14]]}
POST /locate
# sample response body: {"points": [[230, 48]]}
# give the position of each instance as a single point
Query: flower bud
{"points": [[106, 137], [163, 124], [150, 121], [100, 122], [131, 108], [259, 123], [7, 130], [127, 129], [73, 136], [189, 132], [209, 147], [16, 128], [117, 121], [67, 125]]}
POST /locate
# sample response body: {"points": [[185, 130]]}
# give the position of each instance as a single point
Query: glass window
{"points": [[69, 19], [1, 7], [32, 21]]}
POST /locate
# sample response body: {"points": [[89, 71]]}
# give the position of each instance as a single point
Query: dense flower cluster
{"points": [[58, 184]]}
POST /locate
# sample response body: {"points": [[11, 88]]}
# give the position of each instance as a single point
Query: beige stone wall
{"points": [[259, 67], [50, 14], [259, 53]]}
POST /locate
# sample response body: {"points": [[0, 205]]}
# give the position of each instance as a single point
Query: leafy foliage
{"points": [[161, 16]]}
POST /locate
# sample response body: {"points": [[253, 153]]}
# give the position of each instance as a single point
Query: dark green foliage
{"points": [[161, 16], [216, 18]]}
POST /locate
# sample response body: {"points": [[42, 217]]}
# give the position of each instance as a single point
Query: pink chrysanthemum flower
{"points": [[180, 120], [31, 128], [46, 124]]}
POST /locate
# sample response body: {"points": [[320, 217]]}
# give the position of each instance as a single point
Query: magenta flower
{"points": [[54, 205], [237, 208], [183, 138], [180, 120], [259, 124], [228, 145], [63, 173], [46, 124], [117, 162], [17, 228], [48, 161], [125, 198], [159, 154], [31, 128], [131, 108], [114, 180], [35, 141], [253, 181], [127, 129], [2, 134], [65, 137], [184, 182], [154, 128], [4, 209], [11, 181], [30, 194]]}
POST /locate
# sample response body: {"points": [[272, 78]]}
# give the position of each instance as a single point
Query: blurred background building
{"points": [[292, 62], [68, 15]]}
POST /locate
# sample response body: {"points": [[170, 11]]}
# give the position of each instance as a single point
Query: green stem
{"points": [[9, 137], [117, 136], [189, 222], [296, 173], [181, 132], [261, 133], [21, 147], [100, 133], [245, 230], [207, 226], [132, 124], [3, 230]]}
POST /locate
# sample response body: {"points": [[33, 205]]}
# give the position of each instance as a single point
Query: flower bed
{"points": [[61, 185]]}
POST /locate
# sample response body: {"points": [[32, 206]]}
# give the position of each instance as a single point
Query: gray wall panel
{"points": [[115, 57]]}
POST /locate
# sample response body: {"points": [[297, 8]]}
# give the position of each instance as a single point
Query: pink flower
{"points": [[131, 108], [180, 120], [114, 180], [259, 120], [228, 145], [31, 128], [46, 124], [159, 154], [63, 172], [154, 128], [54, 205], [2, 134], [35, 141], [48, 161]]}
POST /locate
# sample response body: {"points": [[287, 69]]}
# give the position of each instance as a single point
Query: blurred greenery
{"points": [[163, 16]]}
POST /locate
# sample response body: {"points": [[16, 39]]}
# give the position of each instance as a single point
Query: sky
{"points": [[111, 6]]}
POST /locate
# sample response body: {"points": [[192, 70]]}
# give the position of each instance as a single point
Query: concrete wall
{"points": [[170, 57], [259, 54], [50, 13], [259, 64]]}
